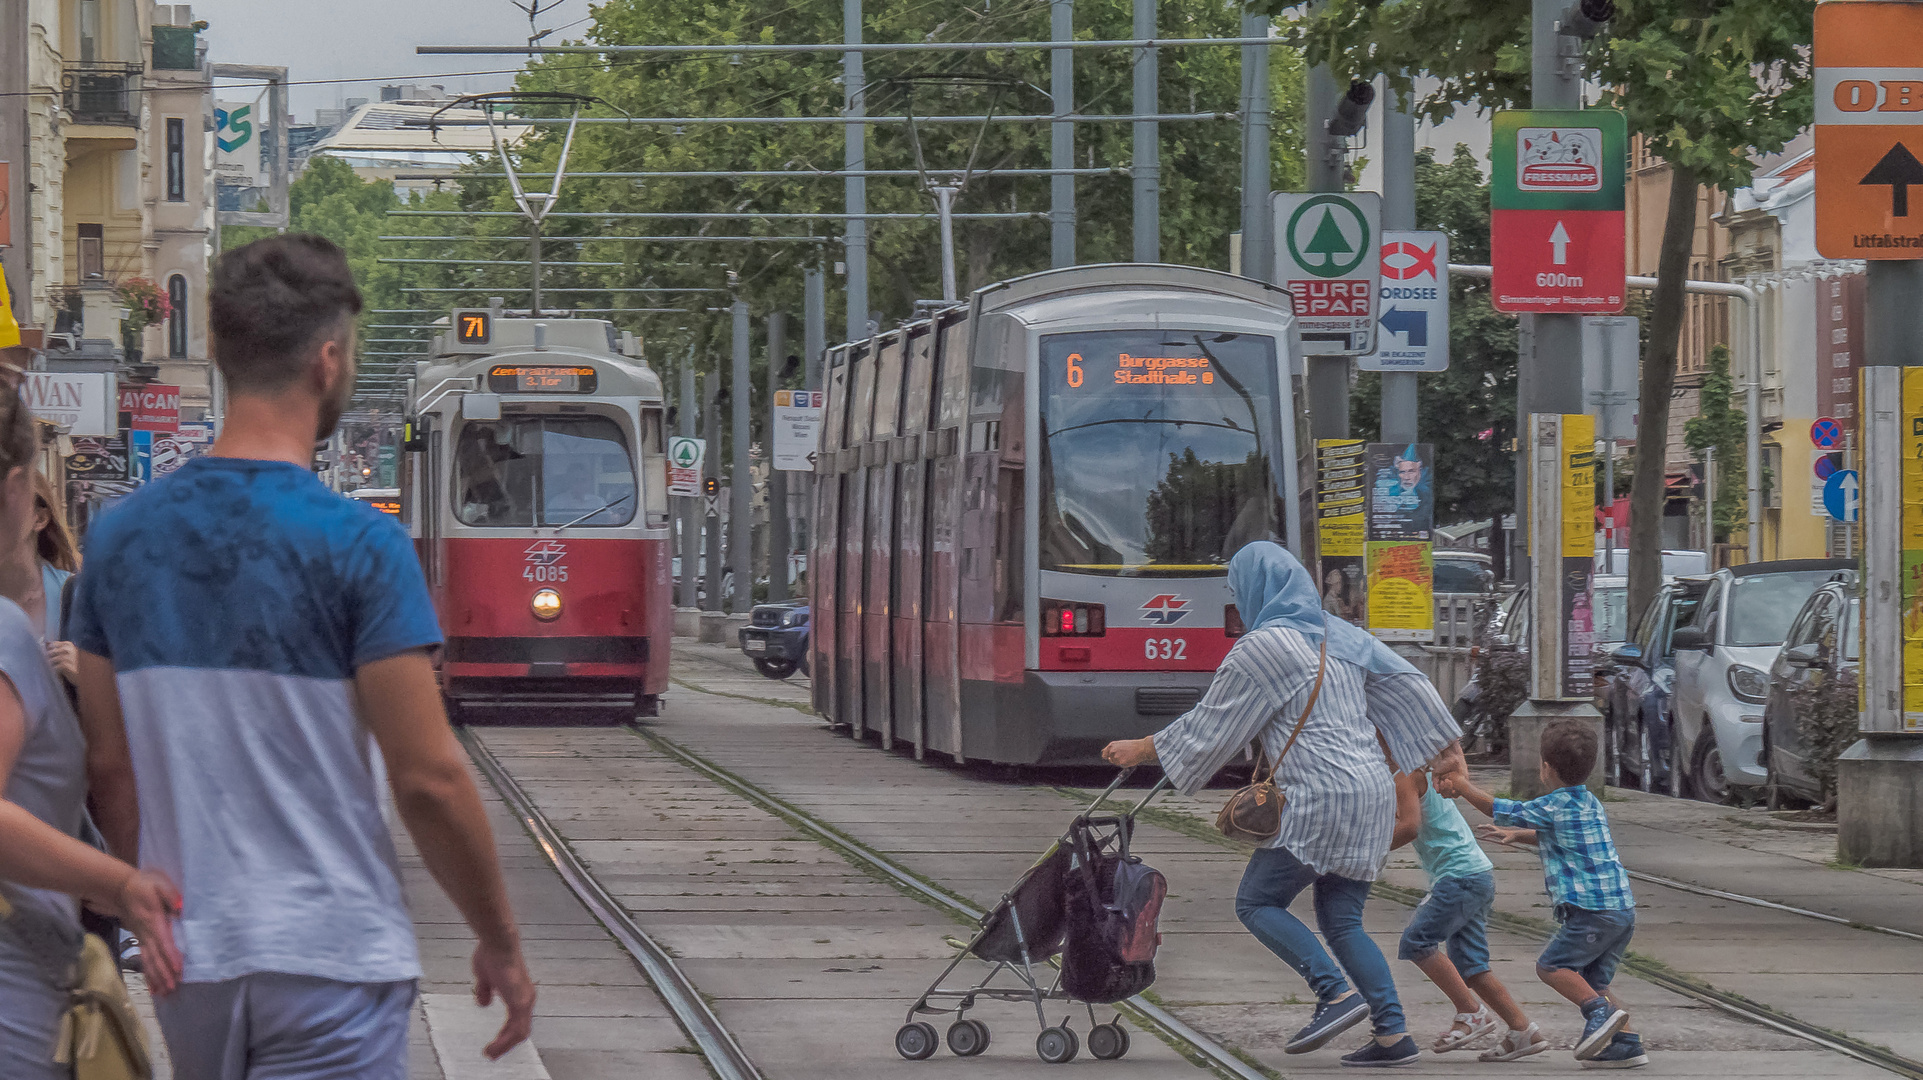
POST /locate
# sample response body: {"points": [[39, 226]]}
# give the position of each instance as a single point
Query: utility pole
{"points": [[814, 326], [1398, 212], [1258, 241], [1061, 144], [777, 479], [1147, 140], [855, 159], [534, 268], [690, 519], [711, 504], [741, 478], [1328, 389]]}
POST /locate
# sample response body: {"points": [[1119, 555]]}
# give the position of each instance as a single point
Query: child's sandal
{"points": [[1478, 1023], [1509, 1048]]}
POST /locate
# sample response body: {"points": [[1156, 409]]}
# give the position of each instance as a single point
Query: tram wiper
{"points": [[609, 505]]}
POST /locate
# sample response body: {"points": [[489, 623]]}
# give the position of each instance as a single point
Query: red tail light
{"points": [[1066, 618], [1232, 622]]}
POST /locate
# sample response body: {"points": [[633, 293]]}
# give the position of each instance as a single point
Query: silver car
{"points": [[1722, 663]]}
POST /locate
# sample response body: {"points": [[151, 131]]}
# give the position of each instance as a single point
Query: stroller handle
{"points": [[1114, 785]]}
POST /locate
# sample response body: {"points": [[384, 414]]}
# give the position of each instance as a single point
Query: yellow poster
{"points": [[1339, 497], [1578, 485], [1401, 576], [1912, 543], [9, 329]]}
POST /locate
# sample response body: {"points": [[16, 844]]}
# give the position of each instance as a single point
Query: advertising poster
{"points": [[1340, 502], [99, 459], [1401, 590], [1912, 582], [1578, 553], [1402, 496], [141, 446]]}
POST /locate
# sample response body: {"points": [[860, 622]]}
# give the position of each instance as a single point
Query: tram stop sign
{"points": [[1556, 215], [684, 465], [1869, 130], [1328, 254]]}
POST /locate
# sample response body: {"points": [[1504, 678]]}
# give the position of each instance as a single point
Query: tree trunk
{"points": [[1647, 495]]}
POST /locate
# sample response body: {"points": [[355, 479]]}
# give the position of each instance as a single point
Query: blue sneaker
{"points": [[1625, 1051], [1331, 1018], [1377, 1056], [1601, 1022]]}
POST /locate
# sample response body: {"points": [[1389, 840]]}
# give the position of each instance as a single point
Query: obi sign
{"points": [[1556, 211], [1869, 130], [1328, 253], [153, 407]]}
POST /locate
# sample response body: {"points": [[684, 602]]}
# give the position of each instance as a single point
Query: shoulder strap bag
{"points": [[1254, 813], [100, 1035]]}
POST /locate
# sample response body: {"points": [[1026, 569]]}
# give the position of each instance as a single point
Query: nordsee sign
{"points": [[79, 403]]}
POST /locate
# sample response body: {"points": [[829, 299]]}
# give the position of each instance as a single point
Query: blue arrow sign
{"points": [[1413, 323], [1839, 495]]}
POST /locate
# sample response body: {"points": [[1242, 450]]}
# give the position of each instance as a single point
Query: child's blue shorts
{"points": [[1590, 943], [1454, 914]]}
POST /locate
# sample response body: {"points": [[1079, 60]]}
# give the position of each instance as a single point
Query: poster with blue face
{"points": [[1402, 497]]}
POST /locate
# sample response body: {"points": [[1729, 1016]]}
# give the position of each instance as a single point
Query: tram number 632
{"points": [[1166, 649], [544, 573]]}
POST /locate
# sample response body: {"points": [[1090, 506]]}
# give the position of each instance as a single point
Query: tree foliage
{"points": [[1719, 425]]}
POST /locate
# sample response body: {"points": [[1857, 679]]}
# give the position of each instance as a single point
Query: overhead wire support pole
{"points": [[740, 473], [1146, 149], [1258, 247], [855, 160], [1399, 388], [1328, 376], [1061, 132]]}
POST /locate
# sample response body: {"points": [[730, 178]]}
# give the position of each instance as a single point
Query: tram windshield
{"points": [[1156, 450], [523, 472]]}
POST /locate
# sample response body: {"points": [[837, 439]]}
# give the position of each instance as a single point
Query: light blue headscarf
{"points": [[1272, 588]]}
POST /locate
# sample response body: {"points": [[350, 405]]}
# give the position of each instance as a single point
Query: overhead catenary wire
{"points": [[630, 239], [762, 49], [780, 174], [702, 215], [861, 119]]}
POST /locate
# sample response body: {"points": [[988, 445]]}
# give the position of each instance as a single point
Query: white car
{"points": [[1723, 657]]}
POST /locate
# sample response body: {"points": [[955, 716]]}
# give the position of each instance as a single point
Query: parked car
{"points": [[1723, 658], [776, 638], [1813, 681], [1636, 682], [1500, 657], [1677, 562]]}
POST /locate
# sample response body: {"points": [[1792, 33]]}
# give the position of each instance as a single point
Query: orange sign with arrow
{"points": [[1869, 130]]}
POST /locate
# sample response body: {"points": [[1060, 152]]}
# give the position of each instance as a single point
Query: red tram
{"points": [[536, 490], [1025, 508]]}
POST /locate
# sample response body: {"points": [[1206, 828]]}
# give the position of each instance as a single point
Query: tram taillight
{"points": [[1064, 618]]}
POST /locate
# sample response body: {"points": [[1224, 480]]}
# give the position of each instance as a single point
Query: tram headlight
{"points": [[546, 605]]}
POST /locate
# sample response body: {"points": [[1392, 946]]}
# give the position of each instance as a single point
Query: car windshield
{"points": [[1156, 450], [521, 472], [1610, 607], [1460, 575], [1761, 606]]}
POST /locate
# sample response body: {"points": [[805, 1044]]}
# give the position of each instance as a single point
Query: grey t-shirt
{"points": [[49, 777]]}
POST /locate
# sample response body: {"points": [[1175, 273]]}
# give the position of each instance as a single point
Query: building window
{"points": [[177, 322], [176, 159], [93, 252]]}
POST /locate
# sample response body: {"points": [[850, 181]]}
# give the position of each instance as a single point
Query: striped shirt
{"points": [[1340, 808], [1579, 862]]}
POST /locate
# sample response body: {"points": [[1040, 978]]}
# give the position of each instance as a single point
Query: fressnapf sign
{"points": [[79, 403], [153, 407]]}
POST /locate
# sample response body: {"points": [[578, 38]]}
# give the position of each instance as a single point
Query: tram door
{"points": [[877, 614], [911, 487], [825, 565], [854, 565], [941, 696]]}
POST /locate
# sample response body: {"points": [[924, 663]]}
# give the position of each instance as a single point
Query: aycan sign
{"points": [[154, 407]]}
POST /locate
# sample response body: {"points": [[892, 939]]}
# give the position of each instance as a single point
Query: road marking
{"points": [[459, 1030]]}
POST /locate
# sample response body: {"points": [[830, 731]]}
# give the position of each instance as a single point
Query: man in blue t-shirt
{"points": [[253, 648]]}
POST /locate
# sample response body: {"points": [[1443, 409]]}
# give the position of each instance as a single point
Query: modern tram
{"points": [[1025, 507], [535, 487]]}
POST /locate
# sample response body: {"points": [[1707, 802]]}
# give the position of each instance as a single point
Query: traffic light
{"points": [[1352, 112], [711, 486], [1586, 18]]}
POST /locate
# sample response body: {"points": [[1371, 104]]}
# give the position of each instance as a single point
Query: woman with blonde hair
{"points": [[59, 560]]}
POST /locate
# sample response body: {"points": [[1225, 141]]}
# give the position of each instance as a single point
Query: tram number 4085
{"points": [[1166, 649], [544, 573]]}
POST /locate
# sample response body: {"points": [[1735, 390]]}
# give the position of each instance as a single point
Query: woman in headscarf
{"points": [[1339, 812]]}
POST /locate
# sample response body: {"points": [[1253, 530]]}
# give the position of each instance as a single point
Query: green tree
{"points": [[1719, 426], [1469, 411], [1710, 85]]}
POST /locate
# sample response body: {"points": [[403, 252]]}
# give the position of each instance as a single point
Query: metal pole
{"points": [[1258, 241], [741, 481], [814, 325], [778, 543], [690, 513], [711, 505], [855, 158], [945, 209], [1609, 500], [1753, 432], [1709, 501], [1849, 527], [1399, 401], [1147, 142], [1061, 145], [534, 269], [1328, 388]]}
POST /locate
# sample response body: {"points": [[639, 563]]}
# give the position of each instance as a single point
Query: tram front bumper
{"points": [[1066, 717]]}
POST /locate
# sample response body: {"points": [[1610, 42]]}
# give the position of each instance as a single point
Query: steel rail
{"points": [[878, 47], [1771, 905], [718, 1047], [1144, 1012]]}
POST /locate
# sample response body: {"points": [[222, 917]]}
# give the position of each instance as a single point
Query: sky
{"points": [[372, 40]]}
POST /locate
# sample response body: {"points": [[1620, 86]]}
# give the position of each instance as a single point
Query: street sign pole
{"points": [[1328, 374], [1399, 404], [690, 522]]}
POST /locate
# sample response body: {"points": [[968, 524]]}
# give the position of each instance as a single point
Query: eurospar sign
{"points": [[1328, 255], [153, 407]]}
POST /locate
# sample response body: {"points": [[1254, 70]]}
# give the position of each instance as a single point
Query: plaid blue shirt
{"points": [[1579, 862]]}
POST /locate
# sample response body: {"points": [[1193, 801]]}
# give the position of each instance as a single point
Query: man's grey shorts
{"points": [[270, 1026]]}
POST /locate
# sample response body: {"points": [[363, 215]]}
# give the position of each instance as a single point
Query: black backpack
{"points": [[1113, 900]]}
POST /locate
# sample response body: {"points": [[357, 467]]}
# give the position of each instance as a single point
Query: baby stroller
{"points": [[1086, 900]]}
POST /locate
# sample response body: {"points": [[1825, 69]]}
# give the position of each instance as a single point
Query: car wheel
{"points": [[775, 669], [1707, 777]]}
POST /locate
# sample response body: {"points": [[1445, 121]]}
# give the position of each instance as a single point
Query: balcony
{"points": [[103, 93]]}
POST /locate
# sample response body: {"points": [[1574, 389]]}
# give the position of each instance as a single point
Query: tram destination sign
{"points": [[541, 379], [1328, 254], [1556, 216], [1869, 130]]}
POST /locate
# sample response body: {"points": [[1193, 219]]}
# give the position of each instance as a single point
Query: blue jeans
{"points": [[1454, 914], [1273, 880]]}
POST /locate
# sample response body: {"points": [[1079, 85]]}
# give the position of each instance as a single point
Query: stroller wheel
{"points": [[968, 1037], [1108, 1041], [917, 1040], [1057, 1045]]}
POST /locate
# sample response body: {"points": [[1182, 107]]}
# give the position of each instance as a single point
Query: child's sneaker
{"points": [[1625, 1051], [1516, 1044], [1376, 1056], [1601, 1022], [1467, 1029]]}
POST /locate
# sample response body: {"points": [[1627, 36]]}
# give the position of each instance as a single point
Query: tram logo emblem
{"points": [[1166, 609], [546, 552]]}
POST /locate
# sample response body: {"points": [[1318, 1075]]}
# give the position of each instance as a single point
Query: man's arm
{"points": [[110, 766], [1458, 785], [442, 810]]}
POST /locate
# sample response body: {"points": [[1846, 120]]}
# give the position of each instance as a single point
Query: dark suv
{"points": [[776, 638], [1638, 678], [1812, 688]]}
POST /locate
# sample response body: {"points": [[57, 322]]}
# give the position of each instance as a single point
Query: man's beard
{"points": [[332, 406]]}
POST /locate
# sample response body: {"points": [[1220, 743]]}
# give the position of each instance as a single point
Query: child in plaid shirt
{"points": [[1586, 881]]}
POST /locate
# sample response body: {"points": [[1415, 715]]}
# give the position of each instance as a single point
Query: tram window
{"points": [[921, 374], [522, 472], [1156, 450], [837, 385], [654, 455], [861, 403], [954, 375], [888, 390]]}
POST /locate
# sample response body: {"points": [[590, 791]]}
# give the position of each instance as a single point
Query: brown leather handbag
{"points": [[1254, 813]]}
